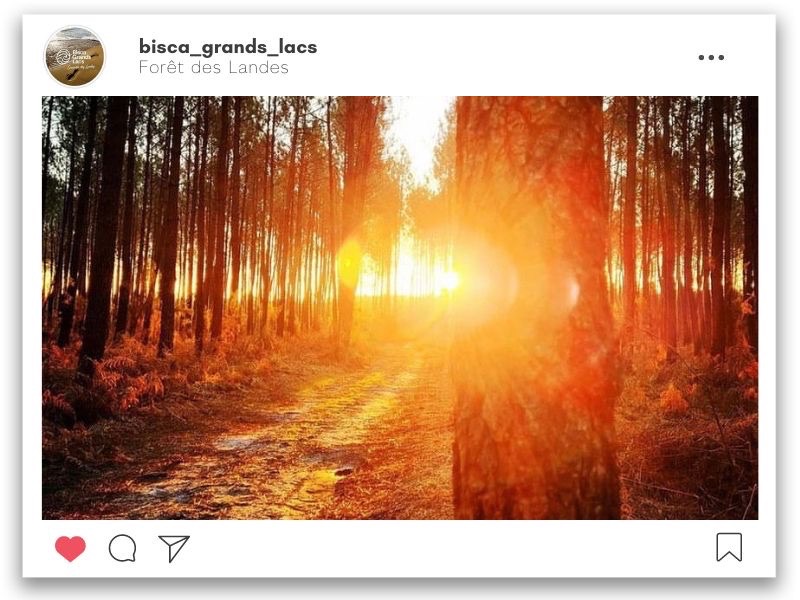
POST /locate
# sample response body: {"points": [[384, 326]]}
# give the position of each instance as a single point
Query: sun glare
{"points": [[411, 121], [449, 281]]}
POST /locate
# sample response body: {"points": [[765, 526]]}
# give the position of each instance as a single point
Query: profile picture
{"points": [[74, 56]]}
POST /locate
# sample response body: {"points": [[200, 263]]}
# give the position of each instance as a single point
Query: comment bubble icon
{"points": [[122, 548]]}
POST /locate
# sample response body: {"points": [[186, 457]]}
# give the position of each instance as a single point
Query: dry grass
{"points": [[687, 429], [132, 385], [294, 434], [688, 437]]}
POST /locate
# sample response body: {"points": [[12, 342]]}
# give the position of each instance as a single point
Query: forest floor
{"points": [[314, 440], [296, 433]]}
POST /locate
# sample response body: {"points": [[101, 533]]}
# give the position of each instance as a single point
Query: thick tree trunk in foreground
{"points": [[170, 233], [535, 362], [105, 238]]}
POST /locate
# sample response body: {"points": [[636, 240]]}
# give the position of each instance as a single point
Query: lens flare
{"points": [[348, 262], [449, 281]]}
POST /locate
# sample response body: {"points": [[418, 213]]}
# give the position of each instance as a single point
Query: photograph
{"points": [[397, 307]]}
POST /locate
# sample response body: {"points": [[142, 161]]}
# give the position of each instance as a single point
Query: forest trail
{"points": [[338, 442]]}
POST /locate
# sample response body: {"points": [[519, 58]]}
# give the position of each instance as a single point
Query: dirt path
{"points": [[316, 441]]}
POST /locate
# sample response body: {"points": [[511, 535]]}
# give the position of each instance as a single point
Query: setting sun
{"points": [[449, 281]]}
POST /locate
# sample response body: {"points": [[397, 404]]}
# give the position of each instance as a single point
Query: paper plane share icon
{"points": [[175, 543]]}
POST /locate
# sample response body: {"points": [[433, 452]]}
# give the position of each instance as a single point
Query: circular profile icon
{"points": [[74, 56]]}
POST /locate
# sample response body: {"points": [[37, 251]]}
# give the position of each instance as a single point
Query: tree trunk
{"points": [[333, 241], [647, 221], [668, 258], [144, 230], [689, 310], [702, 210], [236, 244], [360, 139], [82, 210], [750, 164], [729, 255], [220, 185], [535, 361], [721, 209], [170, 235], [127, 226], [81, 226], [285, 229], [268, 219], [105, 237], [629, 220], [46, 150], [62, 268], [157, 225], [202, 249]]}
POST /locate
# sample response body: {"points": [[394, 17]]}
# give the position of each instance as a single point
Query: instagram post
{"points": [[349, 288]]}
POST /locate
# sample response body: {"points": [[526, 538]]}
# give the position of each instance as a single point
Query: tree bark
{"points": [[268, 222], [202, 249], [703, 337], [668, 290], [721, 211], [535, 361], [647, 221], [286, 222], [750, 164], [221, 188], [360, 139], [46, 151], [127, 226], [170, 235], [690, 313], [82, 208], [629, 219], [236, 244], [105, 237], [68, 302], [144, 230], [66, 297]]}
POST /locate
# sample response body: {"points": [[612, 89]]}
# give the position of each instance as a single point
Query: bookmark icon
{"points": [[729, 544], [175, 543]]}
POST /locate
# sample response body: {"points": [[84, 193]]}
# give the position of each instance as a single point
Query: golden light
{"points": [[488, 281], [449, 281], [348, 262]]}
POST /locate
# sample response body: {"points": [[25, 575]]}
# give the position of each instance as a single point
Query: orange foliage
{"points": [[750, 371], [672, 401]]}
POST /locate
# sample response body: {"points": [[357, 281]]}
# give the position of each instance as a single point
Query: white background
{"points": [[787, 156]]}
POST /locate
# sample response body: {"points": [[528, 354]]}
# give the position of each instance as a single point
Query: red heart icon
{"points": [[70, 548]]}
